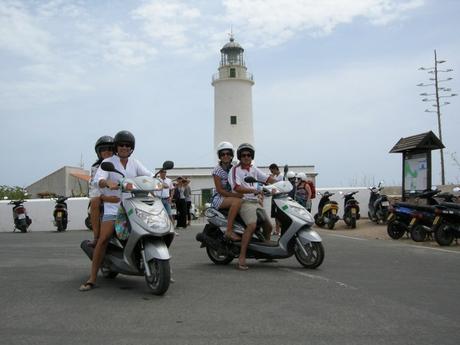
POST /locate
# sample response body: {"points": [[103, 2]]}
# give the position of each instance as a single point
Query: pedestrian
{"points": [[181, 204], [166, 193], [275, 173], [188, 200]]}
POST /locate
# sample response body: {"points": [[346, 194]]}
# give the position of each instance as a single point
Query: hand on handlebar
{"points": [[112, 185]]}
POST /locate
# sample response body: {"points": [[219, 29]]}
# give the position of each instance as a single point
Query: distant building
{"points": [[67, 181]]}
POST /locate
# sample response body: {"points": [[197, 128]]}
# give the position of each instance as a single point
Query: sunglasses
{"points": [[243, 155], [124, 145], [226, 153]]}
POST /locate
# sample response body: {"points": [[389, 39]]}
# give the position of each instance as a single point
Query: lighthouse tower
{"points": [[233, 97]]}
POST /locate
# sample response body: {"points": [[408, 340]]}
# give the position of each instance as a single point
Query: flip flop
{"points": [[87, 286]]}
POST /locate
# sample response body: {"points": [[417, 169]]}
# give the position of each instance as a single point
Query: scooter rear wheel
{"points": [[443, 235], [395, 230], [158, 282], [218, 259], [315, 251], [418, 233]]}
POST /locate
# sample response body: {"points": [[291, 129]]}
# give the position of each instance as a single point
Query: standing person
{"points": [[223, 197], [181, 204], [303, 195], [166, 193], [252, 197], [188, 200], [275, 173], [124, 143]]}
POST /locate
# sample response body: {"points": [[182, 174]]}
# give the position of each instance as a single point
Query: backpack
{"points": [[313, 189]]}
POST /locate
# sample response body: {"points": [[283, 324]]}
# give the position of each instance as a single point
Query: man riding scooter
{"points": [[252, 199]]}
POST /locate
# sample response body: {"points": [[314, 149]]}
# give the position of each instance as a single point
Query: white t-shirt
{"points": [[237, 175], [164, 193], [133, 169]]}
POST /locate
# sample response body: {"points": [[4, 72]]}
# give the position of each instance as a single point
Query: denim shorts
{"points": [[109, 217], [167, 206]]}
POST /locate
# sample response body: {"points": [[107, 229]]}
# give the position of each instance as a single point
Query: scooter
{"points": [[88, 216], [378, 204], [297, 237], [21, 220], [327, 211], [351, 209], [60, 213], [446, 225], [145, 251]]}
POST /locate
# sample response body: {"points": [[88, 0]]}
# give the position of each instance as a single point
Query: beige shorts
{"points": [[248, 211]]}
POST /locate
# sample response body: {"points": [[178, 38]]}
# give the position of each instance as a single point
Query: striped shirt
{"points": [[217, 198]]}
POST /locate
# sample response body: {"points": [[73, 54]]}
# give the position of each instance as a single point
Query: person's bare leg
{"points": [[233, 204], [101, 246], [95, 218], [248, 232]]}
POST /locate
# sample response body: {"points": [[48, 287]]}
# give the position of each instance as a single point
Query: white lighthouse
{"points": [[233, 97]]}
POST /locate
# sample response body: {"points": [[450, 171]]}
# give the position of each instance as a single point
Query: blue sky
{"points": [[335, 81]]}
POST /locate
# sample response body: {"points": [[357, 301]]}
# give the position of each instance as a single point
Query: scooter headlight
{"points": [[154, 221]]}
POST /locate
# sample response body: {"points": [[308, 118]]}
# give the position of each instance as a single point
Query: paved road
{"points": [[366, 292]]}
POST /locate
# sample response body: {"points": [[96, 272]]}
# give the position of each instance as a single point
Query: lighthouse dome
{"points": [[232, 46]]}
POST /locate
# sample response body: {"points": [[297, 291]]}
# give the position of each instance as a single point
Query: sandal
{"points": [[87, 286], [241, 267], [233, 237]]}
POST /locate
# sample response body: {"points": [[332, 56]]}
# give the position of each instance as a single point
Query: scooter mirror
{"points": [[168, 165], [250, 179], [286, 169], [108, 166]]}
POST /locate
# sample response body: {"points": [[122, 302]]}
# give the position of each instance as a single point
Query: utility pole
{"points": [[438, 94]]}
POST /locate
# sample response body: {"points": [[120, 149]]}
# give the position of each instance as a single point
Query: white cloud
{"points": [[122, 48], [275, 21], [170, 22], [20, 33]]}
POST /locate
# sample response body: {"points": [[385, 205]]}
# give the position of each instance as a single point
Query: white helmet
{"points": [[225, 145], [290, 174], [302, 176]]}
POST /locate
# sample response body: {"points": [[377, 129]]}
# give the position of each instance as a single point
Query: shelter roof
{"points": [[421, 142]]}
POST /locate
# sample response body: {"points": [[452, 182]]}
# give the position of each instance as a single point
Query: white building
{"points": [[233, 98]]}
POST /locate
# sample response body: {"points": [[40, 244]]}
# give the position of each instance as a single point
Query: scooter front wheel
{"points": [[314, 257], [160, 271], [418, 233], [395, 230], [443, 235]]}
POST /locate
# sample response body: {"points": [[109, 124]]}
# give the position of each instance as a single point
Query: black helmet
{"points": [[124, 137], [105, 140], [245, 147]]}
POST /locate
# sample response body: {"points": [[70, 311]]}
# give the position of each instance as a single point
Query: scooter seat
{"points": [[451, 205]]}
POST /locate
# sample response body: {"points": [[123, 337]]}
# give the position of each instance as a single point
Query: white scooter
{"points": [[145, 252], [297, 238]]}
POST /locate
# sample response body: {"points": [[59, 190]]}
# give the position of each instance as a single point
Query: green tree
{"points": [[13, 193]]}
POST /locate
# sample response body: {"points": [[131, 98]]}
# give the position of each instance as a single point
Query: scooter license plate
{"points": [[436, 220], [385, 203], [412, 222], [21, 216], [59, 214], [353, 211], [334, 211]]}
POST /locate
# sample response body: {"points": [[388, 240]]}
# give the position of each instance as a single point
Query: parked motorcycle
{"points": [[327, 211], [351, 209], [60, 213], [446, 225], [145, 251], [297, 238], [21, 220], [378, 204], [415, 220]]}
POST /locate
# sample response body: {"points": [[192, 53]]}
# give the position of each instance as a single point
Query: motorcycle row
{"points": [[328, 209], [439, 218], [22, 221]]}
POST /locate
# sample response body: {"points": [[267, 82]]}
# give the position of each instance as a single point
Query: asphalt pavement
{"points": [[367, 291]]}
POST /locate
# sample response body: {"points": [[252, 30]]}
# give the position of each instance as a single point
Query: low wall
{"points": [[41, 213], [41, 210]]}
